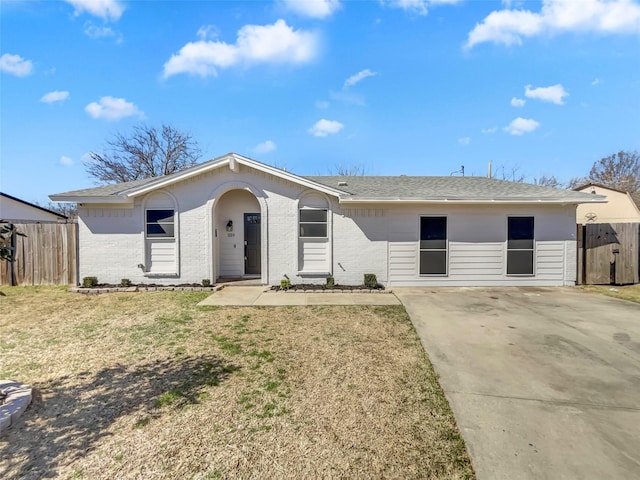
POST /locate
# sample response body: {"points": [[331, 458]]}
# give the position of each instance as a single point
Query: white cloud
{"points": [[323, 128], [596, 81], [105, 9], [489, 130], [553, 94], [94, 32], [312, 8], [521, 125], [55, 96], [322, 104], [420, 7], [207, 31], [464, 140], [358, 77], [555, 17], [15, 65], [265, 147], [110, 108], [518, 102], [66, 161], [256, 44]]}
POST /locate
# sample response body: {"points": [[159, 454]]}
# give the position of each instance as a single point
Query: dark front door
{"points": [[251, 243]]}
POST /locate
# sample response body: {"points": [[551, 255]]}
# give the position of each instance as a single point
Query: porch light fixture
{"points": [[229, 226]]}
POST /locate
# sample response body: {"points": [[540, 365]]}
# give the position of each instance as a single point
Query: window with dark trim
{"points": [[433, 245], [520, 244], [313, 223], [160, 223]]}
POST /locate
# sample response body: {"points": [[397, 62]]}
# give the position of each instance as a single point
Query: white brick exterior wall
{"points": [[383, 240]]}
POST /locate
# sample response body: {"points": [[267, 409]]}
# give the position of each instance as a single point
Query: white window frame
{"points": [[532, 249], [325, 223], [153, 202], [445, 249], [147, 223]]}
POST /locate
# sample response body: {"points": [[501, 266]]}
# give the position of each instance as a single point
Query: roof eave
{"points": [[117, 199], [466, 201]]}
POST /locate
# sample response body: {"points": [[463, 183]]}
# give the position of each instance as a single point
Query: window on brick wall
{"points": [[160, 234], [314, 235]]}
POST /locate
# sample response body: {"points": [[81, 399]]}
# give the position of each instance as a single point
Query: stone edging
{"points": [[17, 400], [142, 288], [333, 290]]}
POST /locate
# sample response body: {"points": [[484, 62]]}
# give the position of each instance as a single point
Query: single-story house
{"points": [[16, 210], [621, 206], [236, 217]]}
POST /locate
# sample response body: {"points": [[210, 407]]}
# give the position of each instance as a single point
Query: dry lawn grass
{"points": [[626, 292], [147, 385]]}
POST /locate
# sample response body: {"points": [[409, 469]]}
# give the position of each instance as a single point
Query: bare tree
{"points": [[513, 174], [576, 182], [147, 152], [548, 181], [620, 171], [69, 210], [354, 170]]}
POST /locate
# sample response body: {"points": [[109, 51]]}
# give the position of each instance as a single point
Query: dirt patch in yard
{"points": [[150, 386]]}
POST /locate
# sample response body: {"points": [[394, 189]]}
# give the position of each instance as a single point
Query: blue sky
{"points": [[415, 87]]}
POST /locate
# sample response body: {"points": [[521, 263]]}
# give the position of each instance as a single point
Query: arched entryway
{"points": [[239, 240]]}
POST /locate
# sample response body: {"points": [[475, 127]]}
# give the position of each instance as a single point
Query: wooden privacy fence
{"points": [[609, 253], [47, 255]]}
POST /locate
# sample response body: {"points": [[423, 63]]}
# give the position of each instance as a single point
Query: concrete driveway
{"points": [[543, 382]]}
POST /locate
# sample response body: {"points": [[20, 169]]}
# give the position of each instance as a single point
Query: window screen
{"points": [[520, 244], [433, 245], [313, 223], [160, 223]]}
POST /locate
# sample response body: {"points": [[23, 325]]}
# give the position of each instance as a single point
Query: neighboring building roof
{"points": [[32, 205], [356, 189], [635, 196], [599, 185]]}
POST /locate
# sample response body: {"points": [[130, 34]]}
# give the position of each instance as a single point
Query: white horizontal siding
{"points": [[314, 255], [549, 260], [162, 256], [403, 261], [473, 260]]}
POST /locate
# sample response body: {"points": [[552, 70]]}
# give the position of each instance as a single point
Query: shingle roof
{"points": [[370, 188], [444, 188], [113, 189]]}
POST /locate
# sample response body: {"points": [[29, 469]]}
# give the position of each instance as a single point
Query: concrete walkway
{"points": [[264, 296]]}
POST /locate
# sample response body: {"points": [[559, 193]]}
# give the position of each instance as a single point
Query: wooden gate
{"points": [[47, 255], [609, 253]]}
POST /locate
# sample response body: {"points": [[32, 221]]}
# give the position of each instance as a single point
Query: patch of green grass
{"points": [[181, 318], [143, 422], [271, 386], [6, 346], [209, 308], [168, 398], [227, 345], [189, 299], [263, 355]]}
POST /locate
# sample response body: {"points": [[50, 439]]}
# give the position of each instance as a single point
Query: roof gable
{"points": [[127, 191]]}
